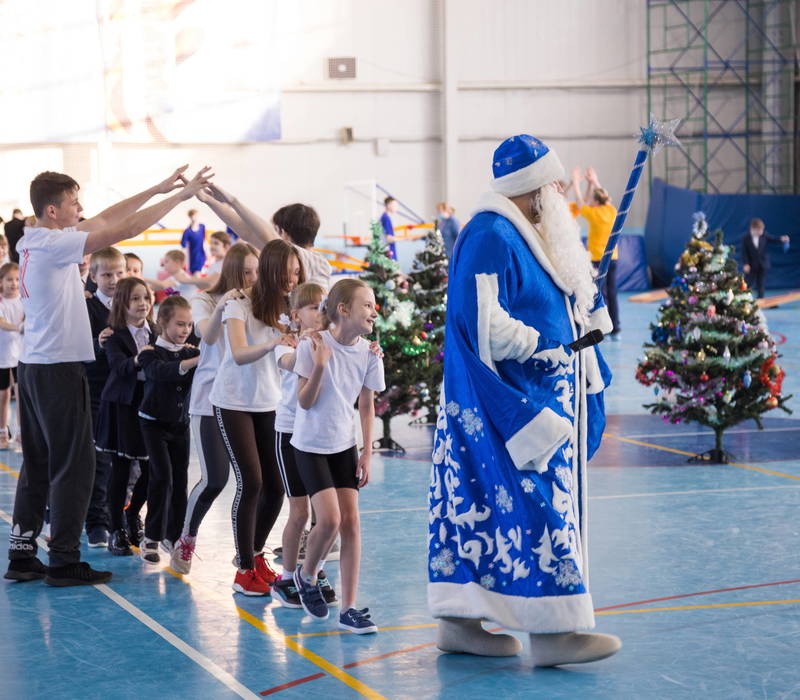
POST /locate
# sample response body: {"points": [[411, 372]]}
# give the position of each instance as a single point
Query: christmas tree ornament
{"points": [[692, 300], [747, 309], [711, 311], [743, 328], [696, 333], [729, 297], [390, 285], [703, 377], [743, 286], [726, 354], [771, 402], [747, 379], [701, 355], [727, 397], [763, 345]]}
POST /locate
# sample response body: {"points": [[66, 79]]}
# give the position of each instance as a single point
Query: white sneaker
{"points": [[182, 553]]}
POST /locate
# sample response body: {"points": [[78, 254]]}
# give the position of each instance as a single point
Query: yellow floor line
{"points": [[315, 659], [8, 469], [692, 454], [700, 607], [286, 640]]}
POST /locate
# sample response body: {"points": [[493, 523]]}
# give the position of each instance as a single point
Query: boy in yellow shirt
{"points": [[595, 206]]}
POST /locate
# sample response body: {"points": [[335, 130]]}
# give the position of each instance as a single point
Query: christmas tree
{"points": [[428, 281], [712, 360], [397, 329]]}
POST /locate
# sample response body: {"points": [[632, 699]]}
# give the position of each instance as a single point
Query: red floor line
{"points": [[690, 595], [291, 684], [386, 656]]}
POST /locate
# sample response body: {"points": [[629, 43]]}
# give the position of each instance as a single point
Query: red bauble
{"points": [[423, 335], [771, 402], [704, 377], [377, 307], [743, 287]]}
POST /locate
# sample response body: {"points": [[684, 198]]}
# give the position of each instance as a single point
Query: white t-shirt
{"points": [[254, 387], [316, 267], [203, 306], [57, 325], [10, 341], [284, 416], [329, 425]]}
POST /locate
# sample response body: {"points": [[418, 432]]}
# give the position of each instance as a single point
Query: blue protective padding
{"points": [[632, 264], [669, 224]]}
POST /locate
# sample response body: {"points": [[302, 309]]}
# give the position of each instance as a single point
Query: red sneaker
{"points": [[264, 570], [250, 583]]}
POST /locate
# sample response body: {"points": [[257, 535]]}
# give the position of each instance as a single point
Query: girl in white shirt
{"points": [[245, 394], [335, 368], [11, 321], [239, 271]]}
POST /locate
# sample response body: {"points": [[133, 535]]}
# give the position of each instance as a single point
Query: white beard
{"points": [[562, 243]]}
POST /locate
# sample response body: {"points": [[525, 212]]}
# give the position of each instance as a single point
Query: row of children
{"points": [[287, 426]]}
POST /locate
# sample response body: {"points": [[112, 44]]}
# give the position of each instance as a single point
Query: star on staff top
{"points": [[658, 134]]}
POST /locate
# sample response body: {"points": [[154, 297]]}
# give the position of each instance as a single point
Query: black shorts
{"points": [[319, 472], [284, 453], [5, 377]]}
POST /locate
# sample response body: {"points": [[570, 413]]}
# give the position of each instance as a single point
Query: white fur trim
{"points": [[544, 615], [500, 336], [545, 170], [594, 379], [599, 319], [532, 446], [498, 204]]}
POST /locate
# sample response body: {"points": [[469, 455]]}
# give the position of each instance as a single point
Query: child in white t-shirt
{"points": [[12, 317], [336, 367]]}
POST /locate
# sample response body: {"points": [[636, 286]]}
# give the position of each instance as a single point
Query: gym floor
{"points": [[696, 568]]}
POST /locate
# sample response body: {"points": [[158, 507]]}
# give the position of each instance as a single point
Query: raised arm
{"points": [[228, 215], [114, 214], [138, 221], [257, 230], [576, 185]]}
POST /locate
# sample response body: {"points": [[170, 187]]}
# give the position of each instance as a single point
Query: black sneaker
{"points": [[327, 590], [310, 597], [97, 536], [286, 593], [29, 569], [148, 551], [135, 528], [119, 545], [357, 621], [77, 574]]}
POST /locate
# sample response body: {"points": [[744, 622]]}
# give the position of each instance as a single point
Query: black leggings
{"points": [[215, 465], [250, 441], [168, 447], [118, 489]]}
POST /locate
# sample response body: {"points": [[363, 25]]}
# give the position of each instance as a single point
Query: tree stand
{"points": [[716, 456], [386, 443]]}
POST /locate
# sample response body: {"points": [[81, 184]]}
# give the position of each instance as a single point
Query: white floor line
{"points": [[199, 658], [708, 432]]}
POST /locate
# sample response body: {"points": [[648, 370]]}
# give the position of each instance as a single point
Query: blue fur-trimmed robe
{"points": [[520, 417]]}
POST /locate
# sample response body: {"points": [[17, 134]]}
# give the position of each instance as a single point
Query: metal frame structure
{"points": [[729, 68]]}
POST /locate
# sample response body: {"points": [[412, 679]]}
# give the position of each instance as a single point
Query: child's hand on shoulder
{"points": [[288, 339], [105, 334], [320, 352], [375, 349]]}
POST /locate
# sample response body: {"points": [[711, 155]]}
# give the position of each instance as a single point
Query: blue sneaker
{"points": [[310, 597], [357, 621]]}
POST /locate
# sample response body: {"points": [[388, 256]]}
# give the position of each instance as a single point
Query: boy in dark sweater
{"points": [[106, 268]]}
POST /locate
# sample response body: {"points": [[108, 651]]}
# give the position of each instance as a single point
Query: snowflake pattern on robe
{"points": [[509, 447]]}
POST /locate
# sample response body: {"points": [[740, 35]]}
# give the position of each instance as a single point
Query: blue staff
{"points": [[653, 137]]}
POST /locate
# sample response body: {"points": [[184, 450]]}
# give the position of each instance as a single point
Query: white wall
{"points": [[570, 72]]}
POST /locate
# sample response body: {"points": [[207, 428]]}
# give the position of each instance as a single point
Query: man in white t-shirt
{"points": [[295, 223], [55, 416]]}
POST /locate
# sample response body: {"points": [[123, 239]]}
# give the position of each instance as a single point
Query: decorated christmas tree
{"points": [[397, 329], [428, 281], [712, 360]]}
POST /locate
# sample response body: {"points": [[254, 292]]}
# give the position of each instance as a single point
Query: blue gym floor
{"points": [[696, 568]]}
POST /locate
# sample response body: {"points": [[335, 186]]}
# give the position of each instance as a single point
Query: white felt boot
{"points": [[458, 635], [572, 648]]}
